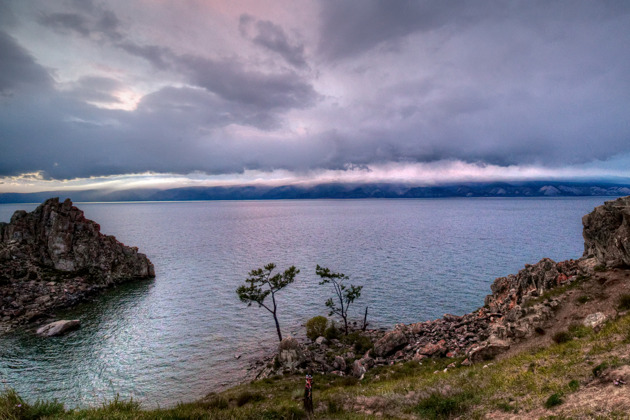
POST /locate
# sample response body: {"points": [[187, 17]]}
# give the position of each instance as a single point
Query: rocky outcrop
{"points": [[607, 233], [54, 257], [58, 327]]}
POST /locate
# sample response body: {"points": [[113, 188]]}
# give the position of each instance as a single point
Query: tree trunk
{"points": [[365, 324], [275, 318]]}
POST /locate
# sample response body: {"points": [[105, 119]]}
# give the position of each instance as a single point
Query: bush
{"points": [[562, 337], [579, 330], [597, 370], [360, 342], [583, 299], [624, 302], [316, 327], [599, 268], [246, 397], [332, 332], [438, 406], [553, 400], [574, 385]]}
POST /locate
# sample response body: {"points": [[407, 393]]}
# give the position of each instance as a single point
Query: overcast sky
{"points": [[168, 93]]}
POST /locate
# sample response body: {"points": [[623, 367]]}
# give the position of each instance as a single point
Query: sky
{"points": [[169, 93]]}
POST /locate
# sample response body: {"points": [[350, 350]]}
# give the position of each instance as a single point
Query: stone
{"points": [[390, 342], [58, 328], [436, 349], [607, 233], [594, 320], [321, 340], [339, 363], [488, 349], [358, 369], [291, 355]]}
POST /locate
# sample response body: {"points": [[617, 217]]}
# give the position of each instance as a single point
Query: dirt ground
{"points": [[600, 398]]}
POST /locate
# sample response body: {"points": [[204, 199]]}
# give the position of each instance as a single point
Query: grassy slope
{"points": [[519, 385]]}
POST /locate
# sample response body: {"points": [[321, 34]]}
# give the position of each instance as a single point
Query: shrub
{"points": [[583, 299], [562, 337], [438, 406], [553, 400], [316, 327], [246, 397], [624, 302], [332, 332], [360, 342], [597, 370], [599, 268], [574, 385], [579, 330]]}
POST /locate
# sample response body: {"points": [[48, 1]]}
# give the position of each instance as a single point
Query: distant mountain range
{"points": [[335, 191]]}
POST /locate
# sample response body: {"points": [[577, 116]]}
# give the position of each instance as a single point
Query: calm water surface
{"points": [[174, 339]]}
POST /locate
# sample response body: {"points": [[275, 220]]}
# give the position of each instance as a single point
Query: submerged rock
{"points": [[58, 327]]}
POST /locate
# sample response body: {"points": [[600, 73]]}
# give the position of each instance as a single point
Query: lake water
{"points": [[174, 338]]}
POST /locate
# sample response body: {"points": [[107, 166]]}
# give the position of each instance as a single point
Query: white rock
{"points": [[594, 320], [58, 327]]}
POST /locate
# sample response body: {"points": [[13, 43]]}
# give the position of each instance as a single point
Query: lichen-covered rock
{"points": [[54, 257], [508, 292], [594, 320], [607, 233]]}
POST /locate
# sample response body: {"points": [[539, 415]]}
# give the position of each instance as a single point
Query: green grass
{"points": [[624, 302], [521, 383]]}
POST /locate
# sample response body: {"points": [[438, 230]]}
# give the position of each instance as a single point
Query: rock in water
{"points": [[607, 233], [54, 257], [58, 327]]}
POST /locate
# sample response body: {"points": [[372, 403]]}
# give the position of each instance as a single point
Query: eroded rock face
{"points": [[54, 257], [607, 233]]}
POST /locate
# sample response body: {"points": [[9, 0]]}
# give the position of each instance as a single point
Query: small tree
{"points": [[262, 284], [345, 295]]}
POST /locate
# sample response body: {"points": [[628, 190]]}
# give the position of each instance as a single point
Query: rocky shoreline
{"points": [[53, 258], [520, 306]]}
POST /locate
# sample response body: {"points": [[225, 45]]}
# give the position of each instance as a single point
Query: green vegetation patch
{"points": [[316, 327], [439, 406]]}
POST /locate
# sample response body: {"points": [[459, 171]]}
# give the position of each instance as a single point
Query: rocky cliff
{"points": [[607, 233], [54, 257]]}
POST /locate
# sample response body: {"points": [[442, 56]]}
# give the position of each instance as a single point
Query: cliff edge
{"points": [[54, 257]]}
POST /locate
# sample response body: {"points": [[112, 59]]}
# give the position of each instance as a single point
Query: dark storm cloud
{"points": [[232, 81], [102, 23], [18, 69], [518, 83], [271, 36], [159, 57]]}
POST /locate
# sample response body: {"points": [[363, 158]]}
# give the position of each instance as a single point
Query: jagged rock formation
{"points": [[607, 233], [54, 257]]}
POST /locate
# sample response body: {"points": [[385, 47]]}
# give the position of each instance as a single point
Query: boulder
{"points": [[488, 349], [607, 233], [433, 349], [58, 327], [291, 355], [594, 320], [390, 342]]}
